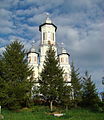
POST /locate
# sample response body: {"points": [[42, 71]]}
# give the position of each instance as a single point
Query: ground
{"points": [[42, 113]]}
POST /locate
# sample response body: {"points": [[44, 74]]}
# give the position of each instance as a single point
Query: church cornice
{"points": [[63, 53], [47, 44], [47, 24], [32, 52]]}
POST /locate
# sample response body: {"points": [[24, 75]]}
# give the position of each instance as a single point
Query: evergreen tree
{"points": [[76, 85], [90, 95], [3, 94], [67, 96], [102, 94], [16, 75], [51, 78]]}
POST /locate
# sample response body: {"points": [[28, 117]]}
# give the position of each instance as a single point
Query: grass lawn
{"points": [[41, 113]]}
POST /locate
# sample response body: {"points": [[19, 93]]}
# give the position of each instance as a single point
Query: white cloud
{"points": [[5, 21], [28, 12], [37, 19], [5, 3], [43, 2], [5, 30]]}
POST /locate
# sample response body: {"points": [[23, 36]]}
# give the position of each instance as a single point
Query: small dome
{"points": [[32, 49], [48, 20], [63, 50]]}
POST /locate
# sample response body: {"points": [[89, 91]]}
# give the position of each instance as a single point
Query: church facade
{"points": [[48, 37]]}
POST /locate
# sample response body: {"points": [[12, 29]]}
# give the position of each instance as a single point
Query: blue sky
{"points": [[80, 26]]}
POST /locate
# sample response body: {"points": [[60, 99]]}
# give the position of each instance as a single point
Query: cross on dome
{"points": [[33, 46], [47, 15], [48, 20], [63, 49], [62, 44], [33, 42]]}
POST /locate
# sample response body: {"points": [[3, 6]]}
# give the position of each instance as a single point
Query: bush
{"points": [[97, 108], [101, 104]]}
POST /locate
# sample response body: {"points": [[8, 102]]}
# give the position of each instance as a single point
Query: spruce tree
{"points": [[51, 78], [102, 94], [76, 86], [16, 74], [66, 99], [3, 94], [90, 95]]}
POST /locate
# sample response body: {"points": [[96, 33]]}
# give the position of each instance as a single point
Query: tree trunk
{"points": [[51, 105], [66, 107]]}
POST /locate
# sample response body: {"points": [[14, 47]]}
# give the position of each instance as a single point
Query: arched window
{"points": [[62, 59], [35, 58], [44, 36], [66, 76], [53, 36], [29, 59], [66, 60], [49, 42]]}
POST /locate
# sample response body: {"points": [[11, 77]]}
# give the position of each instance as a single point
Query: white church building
{"points": [[36, 60]]}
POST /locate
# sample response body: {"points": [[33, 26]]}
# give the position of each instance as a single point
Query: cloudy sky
{"points": [[80, 26]]}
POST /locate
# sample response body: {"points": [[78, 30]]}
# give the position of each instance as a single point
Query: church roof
{"points": [[47, 22], [32, 52], [63, 52], [32, 49]]}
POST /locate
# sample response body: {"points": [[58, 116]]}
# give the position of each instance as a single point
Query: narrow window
{"points": [[53, 36], [66, 60], [29, 59], [43, 35], [66, 76], [62, 59], [49, 43], [35, 58]]}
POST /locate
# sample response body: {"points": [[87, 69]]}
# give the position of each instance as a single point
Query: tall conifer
{"points": [[90, 95], [16, 73], [76, 85], [51, 78]]}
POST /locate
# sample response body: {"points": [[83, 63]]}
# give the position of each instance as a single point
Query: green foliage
{"points": [[90, 95], [101, 106], [67, 97], [51, 79], [3, 85], [15, 72], [76, 85], [15, 62]]}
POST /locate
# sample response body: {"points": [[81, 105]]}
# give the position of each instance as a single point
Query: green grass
{"points": [[41, 113]]}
